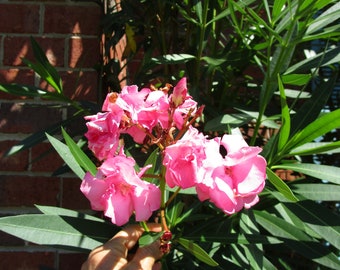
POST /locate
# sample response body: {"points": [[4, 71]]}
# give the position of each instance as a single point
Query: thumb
{"points": [[145, 257]]}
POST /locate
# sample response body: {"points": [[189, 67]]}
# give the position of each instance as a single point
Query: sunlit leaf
{"points": [[59, 211], [82, 159], [323, 172], [197, 251], [281, 186], [322, 59], [285, 117], [316, 148], [318, 192], [65, 153], [148, 238], [296, 79], [327, 17], [297, 239], [58, 231], [318, 218]]}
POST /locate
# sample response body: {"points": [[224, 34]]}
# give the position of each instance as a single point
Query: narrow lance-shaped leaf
{"points": [[311, 108], [65, 153], [323, 172], [31, 91], [297, 239], [58, 231], [36, 138], [319, 127], [316, 148], [197, 251], [82, 159], [285, 116], [280, 185], [322, 59], [318, 192], [254, 252], [327, 17], [318, 218], [59, 211], [45, 69]]}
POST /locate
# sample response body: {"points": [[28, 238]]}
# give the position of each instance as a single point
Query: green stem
{"points": [[144, 226], [200, 50]]}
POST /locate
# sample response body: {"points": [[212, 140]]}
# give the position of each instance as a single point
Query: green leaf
{"points": [[323, 172], [326, 123], [221, 123], [148, 238], [285, 117], [310, 109], [318, 218], [213, 61], [296, 79], [329, 16], [235, 238], [82, 159], [277, 8], [31, 91], [324, 33], [318, 192], [51, 210], [65, 153], [254, 252], [290, 93], [322, 59], [316, 148], [172, 59], [197, 251], [59, 231], [44, 68], [297, 239], [152, 159], [281, 186]]}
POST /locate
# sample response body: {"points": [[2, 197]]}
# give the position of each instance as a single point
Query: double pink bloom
{"points": [[231, 182], [118, 190]]}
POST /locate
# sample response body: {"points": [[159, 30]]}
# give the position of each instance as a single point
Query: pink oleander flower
{"points": [[184, 158], [179, 93], [182, 103], [236, 182], [118, 190], [103, 134]]}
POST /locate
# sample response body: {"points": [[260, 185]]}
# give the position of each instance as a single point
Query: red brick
{"points": [[17, 162], [10, 240], [26, 261], [15, 75], [83, 52], [16, 48], [81, 86], [27, 190], [71, 261], [25, 77], [19, 117], [45, 158], [73, 198], [72, 19], [19, 18]]}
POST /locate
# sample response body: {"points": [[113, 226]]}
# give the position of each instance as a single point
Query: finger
{"points": [[112, 255], [145, 257], [127, 238]]}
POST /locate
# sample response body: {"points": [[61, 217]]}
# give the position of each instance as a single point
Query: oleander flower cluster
{"points": [[165, 117]]}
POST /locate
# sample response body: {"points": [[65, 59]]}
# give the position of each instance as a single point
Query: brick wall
{"points": [[68, 31]]}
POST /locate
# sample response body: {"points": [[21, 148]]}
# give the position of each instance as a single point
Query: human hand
{"points": [[113, 255]]}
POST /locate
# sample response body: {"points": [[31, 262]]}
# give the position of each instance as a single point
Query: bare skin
{"points": [[113, 255]]}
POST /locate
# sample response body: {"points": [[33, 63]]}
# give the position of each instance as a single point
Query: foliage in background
{"points": [[246, 60]]}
